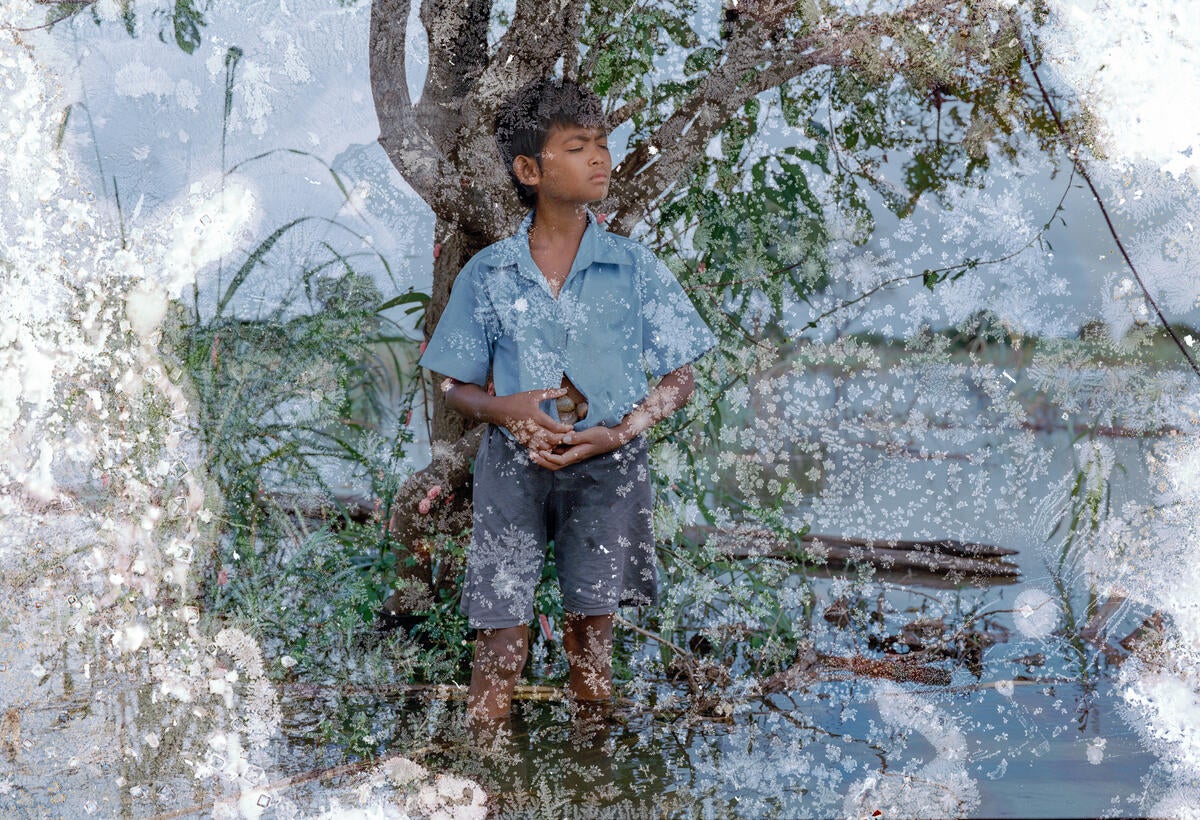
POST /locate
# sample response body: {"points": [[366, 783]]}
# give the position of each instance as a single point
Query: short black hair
{"points": [[525, 119]]}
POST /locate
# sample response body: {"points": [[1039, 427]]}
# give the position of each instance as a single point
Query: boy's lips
{"points": [[599, 177]]}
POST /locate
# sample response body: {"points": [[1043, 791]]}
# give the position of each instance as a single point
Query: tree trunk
{"points": [[453, 443]]}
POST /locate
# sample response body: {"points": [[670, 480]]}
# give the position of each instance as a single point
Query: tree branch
{"points": [[645, 174], [570, 52], [409, 146], [458, 53], [1077, 160], [536, 38]]}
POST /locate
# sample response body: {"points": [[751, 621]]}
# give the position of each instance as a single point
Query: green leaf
{"points": [[814, 128], [930, 278], [701, 60], [753, 106], [411, 297], [263, 248], [128, 17], [188, 21]]}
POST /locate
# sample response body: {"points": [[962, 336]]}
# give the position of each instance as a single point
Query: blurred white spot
{"points": [[1035, 613]]}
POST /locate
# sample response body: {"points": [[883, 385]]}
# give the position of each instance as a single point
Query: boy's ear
{"points": [[526, 170]]}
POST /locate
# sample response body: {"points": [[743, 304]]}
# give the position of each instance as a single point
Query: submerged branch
{"points": [[689, 661], [816, 666], [434, 691]]}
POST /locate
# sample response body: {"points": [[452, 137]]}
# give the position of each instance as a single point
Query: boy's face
{"points": [[576, 165]]}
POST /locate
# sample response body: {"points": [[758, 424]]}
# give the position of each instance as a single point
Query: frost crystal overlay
{"points": [[1114, 57], [113, 678], [105, 495]]}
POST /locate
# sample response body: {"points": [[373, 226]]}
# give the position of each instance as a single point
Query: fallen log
{"points": [[944, 556], [937, 556], [947, 546], [449, 470]]}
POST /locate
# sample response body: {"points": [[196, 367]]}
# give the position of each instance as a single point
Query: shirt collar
{"points": [[595, 246]]}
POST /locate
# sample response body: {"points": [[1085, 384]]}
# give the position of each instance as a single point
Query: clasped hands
{"points": [[551, 443]]}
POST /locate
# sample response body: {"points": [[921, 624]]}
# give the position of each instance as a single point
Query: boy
{"points": [[567, 319]]}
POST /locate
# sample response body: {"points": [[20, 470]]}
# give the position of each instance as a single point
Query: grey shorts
{"points": [[598, 513]]}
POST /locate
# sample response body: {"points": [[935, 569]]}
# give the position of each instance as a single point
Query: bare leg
{"points": [[499, 659], [588, 642]]}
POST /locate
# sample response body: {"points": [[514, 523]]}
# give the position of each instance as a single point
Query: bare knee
{"points": [[502, 650]]}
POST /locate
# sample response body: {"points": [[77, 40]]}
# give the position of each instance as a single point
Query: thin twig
{"points": [[687, 657]]}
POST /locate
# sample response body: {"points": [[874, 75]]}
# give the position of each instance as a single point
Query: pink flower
{"points": [[434, 492], [423, 506], [437, 249], [601, 217], [424, 344], [701, 267]]}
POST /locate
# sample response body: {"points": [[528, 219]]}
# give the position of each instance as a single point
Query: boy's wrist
{"points": [[631, 426], [475, 403], [490, 409]]}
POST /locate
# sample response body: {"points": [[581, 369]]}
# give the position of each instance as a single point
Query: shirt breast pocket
{"points": [[611, 315], [519, 313]]}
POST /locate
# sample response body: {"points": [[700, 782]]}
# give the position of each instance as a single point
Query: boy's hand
{"points": [[581, 445], [671, 393], [518, 412], [529, 424]]}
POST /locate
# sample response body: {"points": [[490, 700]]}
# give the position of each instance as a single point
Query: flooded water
{"points": [[1031, 728], [1031, 725], [1038, 733]]}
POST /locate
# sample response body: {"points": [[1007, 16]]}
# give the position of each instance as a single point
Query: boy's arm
{"points": [[671, 393], [519, 412]]}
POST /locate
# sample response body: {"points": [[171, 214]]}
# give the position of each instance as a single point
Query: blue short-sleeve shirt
{"points": [[620, 315]]}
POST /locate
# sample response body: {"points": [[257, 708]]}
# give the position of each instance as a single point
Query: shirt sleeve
{"points": [[673, 334], [462, 343]]}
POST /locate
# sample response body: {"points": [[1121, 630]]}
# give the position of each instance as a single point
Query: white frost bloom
{"points": [[941, 788], [130, 638], [1116, 56], [451, 798], [145, 307], [401, 771]]}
